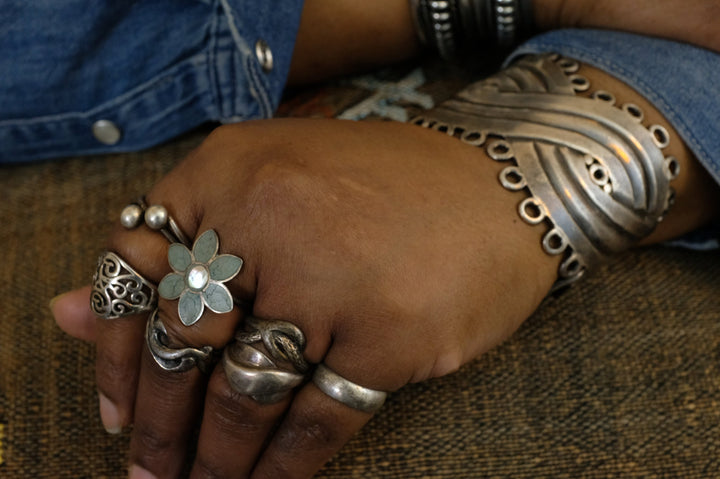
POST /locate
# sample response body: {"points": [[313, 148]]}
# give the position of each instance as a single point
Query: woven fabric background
{"points": [[618, 377]]}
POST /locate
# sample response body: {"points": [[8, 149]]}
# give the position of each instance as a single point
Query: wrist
{"points": [[582, 158], [338, 37]]}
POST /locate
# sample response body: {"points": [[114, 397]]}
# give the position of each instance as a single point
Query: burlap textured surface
{"points": [[618, 377]]}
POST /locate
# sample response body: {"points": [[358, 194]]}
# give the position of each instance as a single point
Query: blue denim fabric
{"points": [[680, 80], [155, 68]]}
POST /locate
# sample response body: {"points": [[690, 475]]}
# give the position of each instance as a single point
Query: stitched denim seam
{"points": [[211, 55], [257, 87], [127, 98], [152, 120]]}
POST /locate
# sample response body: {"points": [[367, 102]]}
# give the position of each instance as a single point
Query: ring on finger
{"points": [[347, 392], [198, 276], [156, 217], [119, 290], [283, 340], [266, 378], [174, 359]]}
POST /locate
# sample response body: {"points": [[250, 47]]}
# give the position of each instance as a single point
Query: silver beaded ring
{"points": [[156, 217]]}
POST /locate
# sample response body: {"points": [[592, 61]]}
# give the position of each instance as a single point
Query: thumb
{"points": [[73, 314]]}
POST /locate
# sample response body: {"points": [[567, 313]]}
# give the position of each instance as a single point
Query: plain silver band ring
{"points": [[347, 392]]}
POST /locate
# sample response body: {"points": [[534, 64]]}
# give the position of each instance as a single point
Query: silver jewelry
{"points": [[265, 377], [506, 21], [197, 278], [156, 217], [283, 340], [118, 290], [347, 392], [435, 23], [171, 359], [455, 27], [594, 174]]}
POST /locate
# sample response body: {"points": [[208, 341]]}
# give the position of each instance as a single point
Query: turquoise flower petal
{"points": [[217, 297], [171, 286], [225, 267], [205, 247], [190, 307], [179, 257]]}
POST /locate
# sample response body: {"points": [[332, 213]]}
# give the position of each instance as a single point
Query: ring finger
{"points": [[248, 395]]}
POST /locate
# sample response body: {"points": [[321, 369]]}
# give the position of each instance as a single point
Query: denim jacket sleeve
{"points": [[84, 77], [679, 79]]}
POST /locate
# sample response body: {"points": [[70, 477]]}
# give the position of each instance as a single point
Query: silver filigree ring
{"points": [[118, 290], [175, 360]]}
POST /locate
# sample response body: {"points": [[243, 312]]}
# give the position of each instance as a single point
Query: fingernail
{"points": [[137, 472], [109, 415], [54, 300]]}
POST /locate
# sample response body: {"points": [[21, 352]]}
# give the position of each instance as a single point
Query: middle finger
{"points": [[195, 316]]}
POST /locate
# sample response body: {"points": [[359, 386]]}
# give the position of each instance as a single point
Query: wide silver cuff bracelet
{"points": [[589, 169]]}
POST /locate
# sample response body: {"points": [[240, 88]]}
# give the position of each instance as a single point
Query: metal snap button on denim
{"points": [[264, 55], [106, 132]]}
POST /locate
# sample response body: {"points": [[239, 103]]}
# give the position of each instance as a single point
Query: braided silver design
{"points": [[283, 340], [594, 174], [172, 359], [252, 372], [118, 290]]}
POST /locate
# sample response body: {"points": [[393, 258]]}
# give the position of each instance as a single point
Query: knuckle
{"points": [[319, 433], [275, 470], [280, 182], [220, 136], [206, 468], [150, 443], [233, 413], [310, 431], [447, 363], [113, 373], [145, 251]]}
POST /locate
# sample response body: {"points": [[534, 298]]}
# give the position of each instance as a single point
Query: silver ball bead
{"points": [[130, 216], [156, 217]]}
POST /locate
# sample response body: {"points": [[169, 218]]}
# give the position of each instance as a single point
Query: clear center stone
{"points": [[197, 277]]}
